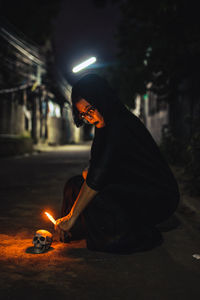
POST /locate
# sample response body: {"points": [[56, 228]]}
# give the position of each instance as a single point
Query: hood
{"points": [[97, 92]]}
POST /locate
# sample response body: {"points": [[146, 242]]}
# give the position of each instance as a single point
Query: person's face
{"points": [[90, 113]]}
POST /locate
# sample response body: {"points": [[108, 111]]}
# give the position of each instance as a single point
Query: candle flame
{"points": [[50, 217]]}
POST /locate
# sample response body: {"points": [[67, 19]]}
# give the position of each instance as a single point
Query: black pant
{"points": [[113, 224]]}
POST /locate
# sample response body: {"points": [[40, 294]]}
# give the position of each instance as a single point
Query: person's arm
{"points": [[85, 195], [103, 159]]}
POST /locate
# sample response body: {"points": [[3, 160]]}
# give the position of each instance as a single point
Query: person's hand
{"points": [[65, 223]]}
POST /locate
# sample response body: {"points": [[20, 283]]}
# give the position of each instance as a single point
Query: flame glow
{"points": [[50, 217]]}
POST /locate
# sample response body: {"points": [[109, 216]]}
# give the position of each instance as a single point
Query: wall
{"points": [[12, 119], [154, 113], [53, 128]]}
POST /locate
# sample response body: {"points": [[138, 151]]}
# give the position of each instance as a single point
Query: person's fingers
{"points": [[62, 235], [62, 226], [57, 225]]}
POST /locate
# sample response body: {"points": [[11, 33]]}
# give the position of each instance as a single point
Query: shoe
{"points": [[65, 237], [144, 240]]}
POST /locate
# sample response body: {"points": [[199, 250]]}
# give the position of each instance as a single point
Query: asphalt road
{"points": [[32, 184]]}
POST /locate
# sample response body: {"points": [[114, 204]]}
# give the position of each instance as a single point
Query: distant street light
{"points": [[84, 64]]}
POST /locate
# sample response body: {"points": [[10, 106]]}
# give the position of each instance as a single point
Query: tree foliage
{"points": [[159, 42]]}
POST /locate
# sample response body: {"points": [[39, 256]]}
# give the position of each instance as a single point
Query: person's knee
{"points": [[75, 181]]}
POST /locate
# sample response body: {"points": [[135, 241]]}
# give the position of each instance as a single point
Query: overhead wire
{"points": [[24, 58]]}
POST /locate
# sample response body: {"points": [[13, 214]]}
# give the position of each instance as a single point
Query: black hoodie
{"points": [[123, 152]]}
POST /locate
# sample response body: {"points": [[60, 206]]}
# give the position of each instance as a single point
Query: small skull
{"points": [[42, 241]]}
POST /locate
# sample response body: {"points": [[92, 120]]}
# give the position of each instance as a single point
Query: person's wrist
{"points": [[73, 217]]}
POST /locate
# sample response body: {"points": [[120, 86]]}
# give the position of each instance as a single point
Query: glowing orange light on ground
{"points": [[50, 217]]}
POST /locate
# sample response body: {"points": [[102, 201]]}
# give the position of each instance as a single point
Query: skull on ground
{"points": [[42, 241]]}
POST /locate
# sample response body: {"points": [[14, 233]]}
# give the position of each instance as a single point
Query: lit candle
{"points": [[50, 217]]}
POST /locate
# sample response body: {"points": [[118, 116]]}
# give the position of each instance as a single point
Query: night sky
{"points": [[82, 30]]}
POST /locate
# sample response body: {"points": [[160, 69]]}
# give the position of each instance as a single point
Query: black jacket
{"points": [[124, 153]]}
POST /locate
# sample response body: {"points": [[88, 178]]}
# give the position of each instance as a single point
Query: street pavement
{"points": [[32, 184]]}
